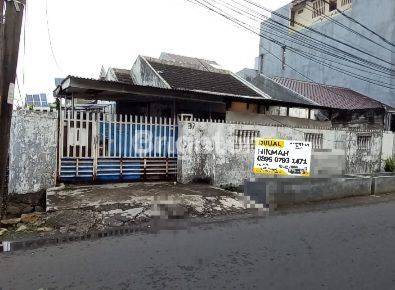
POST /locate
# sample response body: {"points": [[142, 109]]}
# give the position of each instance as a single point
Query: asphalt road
{"points": [[342, 248]]}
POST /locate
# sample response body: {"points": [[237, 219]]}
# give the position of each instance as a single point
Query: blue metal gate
{"points": [[112, 147]]}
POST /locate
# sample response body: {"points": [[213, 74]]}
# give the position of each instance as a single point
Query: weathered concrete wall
{"points": [[264, 119], [378, 15], [32, 151], [388, 145], [385, 183], [286, 191], [207, 152], [143, 74]]}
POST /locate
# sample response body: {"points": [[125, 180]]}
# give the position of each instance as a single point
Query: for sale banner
{"points": [[282, 157]]}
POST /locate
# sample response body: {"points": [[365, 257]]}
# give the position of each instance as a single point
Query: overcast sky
{"points": [[87, 34]]}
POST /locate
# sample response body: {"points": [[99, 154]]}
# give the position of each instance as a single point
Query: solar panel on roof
{"points": [[29, 100], [36, 100], [44, 102]]}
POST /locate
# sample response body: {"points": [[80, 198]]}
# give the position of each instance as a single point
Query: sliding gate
{"points": [[113, 147]]}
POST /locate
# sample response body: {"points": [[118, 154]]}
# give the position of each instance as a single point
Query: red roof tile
{"points": [[329, 96]]}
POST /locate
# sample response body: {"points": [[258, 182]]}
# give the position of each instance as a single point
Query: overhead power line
{"points": [[338, 23], [363, 26], [324, 47], [212, 8], [308, 42], [319, 32], [50, 38], [317, 59]]}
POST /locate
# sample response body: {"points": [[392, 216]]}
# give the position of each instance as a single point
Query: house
{"points": [[180, 73], [138, 140], [236, 99], [345, 43], [345, 108]]}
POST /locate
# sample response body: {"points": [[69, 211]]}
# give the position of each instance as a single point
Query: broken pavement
{"points": [[83, 209]]}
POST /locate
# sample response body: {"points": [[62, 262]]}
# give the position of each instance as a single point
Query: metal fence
{"points": [[98, 146]]}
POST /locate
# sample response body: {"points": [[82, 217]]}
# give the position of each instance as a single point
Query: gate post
{"points": [[95, 142]]}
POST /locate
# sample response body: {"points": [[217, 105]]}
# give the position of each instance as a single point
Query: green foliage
{"points": [[389, 164]]}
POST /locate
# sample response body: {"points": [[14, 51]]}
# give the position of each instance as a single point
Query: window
{"points": [[300, 11], [316, 139], [370, 117], [261, 60], [332, 5], [292, 22], [318, 8], [283, 49], [345, 2], [364, 142], [245, 139]]}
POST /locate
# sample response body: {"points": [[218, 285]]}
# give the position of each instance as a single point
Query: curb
{"points": [[150, 227], [11, 246]]}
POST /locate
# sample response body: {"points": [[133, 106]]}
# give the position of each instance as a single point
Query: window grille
{"points": [[332, 5], [245, 139], [316, 139], [364, 142], [283, 57], [345, 2], [318, 8]]}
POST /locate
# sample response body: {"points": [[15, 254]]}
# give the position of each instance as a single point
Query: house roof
{"points": [[112, 90], [191, 62], [296, 2], [183, 77], [123, 75], [330, 96], [273, 89]]}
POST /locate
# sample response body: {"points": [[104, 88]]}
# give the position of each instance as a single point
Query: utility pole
{"points": [[10, 31]]}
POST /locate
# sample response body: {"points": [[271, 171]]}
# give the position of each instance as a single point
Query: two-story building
{"points": [[345, 43]]}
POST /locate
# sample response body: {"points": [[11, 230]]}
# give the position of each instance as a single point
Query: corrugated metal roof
{"points": [[330, 96]]}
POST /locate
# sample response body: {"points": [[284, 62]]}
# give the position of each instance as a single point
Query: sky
{"points": [[86, 34]]}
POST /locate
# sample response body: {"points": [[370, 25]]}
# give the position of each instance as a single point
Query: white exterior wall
{"points": [[206, 151], [33, 145]]}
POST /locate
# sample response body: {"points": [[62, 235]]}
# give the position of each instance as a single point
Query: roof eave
{"points": [[115, 91]]}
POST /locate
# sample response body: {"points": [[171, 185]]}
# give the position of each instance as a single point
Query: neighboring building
{"points": [[298, 31], [345, 107]]}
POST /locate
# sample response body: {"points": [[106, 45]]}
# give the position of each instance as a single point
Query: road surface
{"points": [[341, 248]]}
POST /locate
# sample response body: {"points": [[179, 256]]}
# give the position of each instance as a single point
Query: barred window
{"points": [[316, 139], [318, 8], [245, 139], [364, 142], [345, 2]]}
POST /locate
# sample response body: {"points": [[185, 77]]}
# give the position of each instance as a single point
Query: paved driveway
{"points": [[85, 196]]}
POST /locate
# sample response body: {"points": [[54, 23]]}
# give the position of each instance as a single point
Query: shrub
{"points": [[389, 164]]}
